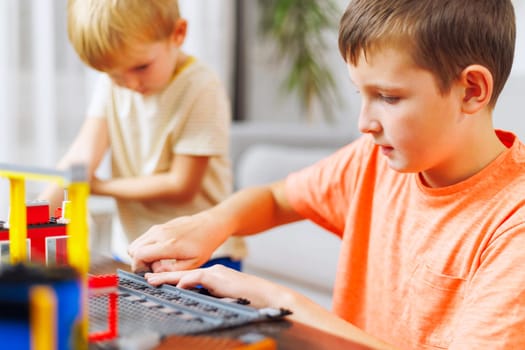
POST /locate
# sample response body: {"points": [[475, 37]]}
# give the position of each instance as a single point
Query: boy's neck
{"points": [[478, 148], [183, 60]]}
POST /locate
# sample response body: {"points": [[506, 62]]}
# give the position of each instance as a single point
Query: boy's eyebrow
{"points": [[377, 86], [374, 86]]}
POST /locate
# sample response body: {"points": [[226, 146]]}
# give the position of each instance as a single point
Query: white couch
{"points": [[300, 255]]}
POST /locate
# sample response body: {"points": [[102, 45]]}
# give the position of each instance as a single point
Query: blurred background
{"points": [[251, 44]]}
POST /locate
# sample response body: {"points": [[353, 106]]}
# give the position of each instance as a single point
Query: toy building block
{"points": [[41, 231], [105, 286], [76, 181], [43, 318]]}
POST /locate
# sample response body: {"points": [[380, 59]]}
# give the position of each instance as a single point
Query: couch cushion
{"points": [[264, 163], [243, 135], [302, 253]]}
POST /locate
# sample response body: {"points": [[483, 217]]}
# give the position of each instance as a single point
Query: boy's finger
{"points": [[150, 252], [138, 266], [175, 265], [160, 278], [134, 246], [163, 265]]}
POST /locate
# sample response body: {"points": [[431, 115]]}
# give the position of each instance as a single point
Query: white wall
{"points": [[519, 59], [266, 102], [508, 113], [264, 98], [211, 31]]}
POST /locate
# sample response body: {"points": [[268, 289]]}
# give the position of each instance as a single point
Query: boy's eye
{"points": [[389, 99], [141, 67]]}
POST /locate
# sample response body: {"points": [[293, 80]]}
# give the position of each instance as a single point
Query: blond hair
{"points": [[443, 37], [103, 30]]}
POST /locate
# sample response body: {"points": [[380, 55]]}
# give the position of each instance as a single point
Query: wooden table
{"points": [[282, 334]]}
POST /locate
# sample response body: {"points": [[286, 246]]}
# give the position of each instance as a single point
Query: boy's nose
{"points": [[131, 83], [367, 124]]}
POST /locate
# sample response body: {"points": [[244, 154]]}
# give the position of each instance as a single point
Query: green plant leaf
{"points": [[298, 28]]}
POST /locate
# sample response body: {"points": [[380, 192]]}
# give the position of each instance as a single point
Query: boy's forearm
{"points": [[314, 315], [319, 318], [54, 194], [162, 186], [253, 210]]}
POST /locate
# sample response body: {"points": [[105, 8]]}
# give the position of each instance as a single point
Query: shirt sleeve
{"points": [[206, 131], [100, 97], [323, 191]]}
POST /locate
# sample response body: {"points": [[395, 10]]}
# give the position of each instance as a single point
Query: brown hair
{"points": [[442, 36], [102, 30]]}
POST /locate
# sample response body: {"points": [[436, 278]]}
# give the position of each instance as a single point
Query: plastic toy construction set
{"points": [[49, 301]]}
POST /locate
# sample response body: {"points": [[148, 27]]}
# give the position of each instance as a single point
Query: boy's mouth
{"points": [[386, 150]]}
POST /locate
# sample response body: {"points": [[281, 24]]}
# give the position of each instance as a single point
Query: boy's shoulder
{"points": [[196, 79], [193, 65], [197, 68]]}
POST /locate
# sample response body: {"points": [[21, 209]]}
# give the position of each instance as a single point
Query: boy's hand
{"points": [[95, 184], [180, 244], [221, 281]]}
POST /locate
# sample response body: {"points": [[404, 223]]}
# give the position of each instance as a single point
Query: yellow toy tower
{"points": [[75, 181]]}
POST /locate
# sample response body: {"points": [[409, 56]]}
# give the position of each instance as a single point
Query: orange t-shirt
{"points": [[420, 267]]}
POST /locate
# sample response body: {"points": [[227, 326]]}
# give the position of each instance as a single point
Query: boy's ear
{"points": [[179, 31], [477, 84]]}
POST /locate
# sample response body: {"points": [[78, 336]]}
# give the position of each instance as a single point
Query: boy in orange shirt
{"points": [[429, 203]]}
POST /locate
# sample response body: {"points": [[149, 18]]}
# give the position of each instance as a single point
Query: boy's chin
{"points": [[400, 167]]}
